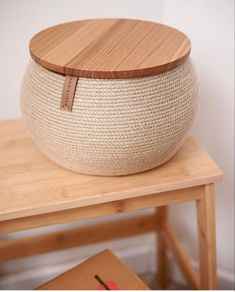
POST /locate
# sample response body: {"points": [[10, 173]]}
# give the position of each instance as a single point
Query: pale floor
{"points": [[150, 280]]}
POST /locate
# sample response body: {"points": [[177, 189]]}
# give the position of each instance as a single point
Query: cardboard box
{"points": [[101, 272]]}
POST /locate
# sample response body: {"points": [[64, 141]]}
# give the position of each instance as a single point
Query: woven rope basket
{"points": [[117, 126]]}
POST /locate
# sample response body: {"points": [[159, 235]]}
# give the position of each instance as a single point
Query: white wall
{"points": [[209, 24]]}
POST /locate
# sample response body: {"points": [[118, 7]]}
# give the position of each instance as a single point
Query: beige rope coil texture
{"points": [[116, 126]]}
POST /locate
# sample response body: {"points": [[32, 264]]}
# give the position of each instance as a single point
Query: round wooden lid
{"points": [[110, 48]]}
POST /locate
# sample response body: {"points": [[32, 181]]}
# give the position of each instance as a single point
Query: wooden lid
{"points": [[110, 48]]}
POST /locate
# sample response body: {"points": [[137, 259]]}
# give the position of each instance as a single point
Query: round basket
{"points": [[96, 120]]}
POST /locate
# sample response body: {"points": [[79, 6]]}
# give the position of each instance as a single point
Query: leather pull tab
{"points": [[69, 88]]}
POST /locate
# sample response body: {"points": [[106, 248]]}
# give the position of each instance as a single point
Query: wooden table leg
{"points": [[162, 275], [207, 240]]}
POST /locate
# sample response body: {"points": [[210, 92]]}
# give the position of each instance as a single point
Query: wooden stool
{"points": [[35, 192]]}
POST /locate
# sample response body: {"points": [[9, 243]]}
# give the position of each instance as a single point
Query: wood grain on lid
{"points": [[110, 48]]}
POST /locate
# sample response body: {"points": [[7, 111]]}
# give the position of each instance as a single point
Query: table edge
{"points": [[108, 198]]}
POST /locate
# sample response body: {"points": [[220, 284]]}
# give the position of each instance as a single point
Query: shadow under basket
{"points": [[109, 96]]}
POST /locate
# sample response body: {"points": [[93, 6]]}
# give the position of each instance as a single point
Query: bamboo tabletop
{"points": [[30, 184]]}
